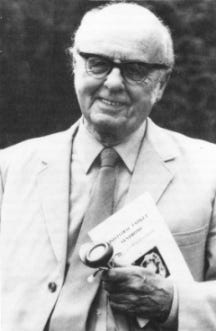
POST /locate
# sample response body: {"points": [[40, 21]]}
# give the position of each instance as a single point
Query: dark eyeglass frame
{"points": [[122, 65]]}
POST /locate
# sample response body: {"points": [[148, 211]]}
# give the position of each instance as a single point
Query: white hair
{"points": [[121, 15]]}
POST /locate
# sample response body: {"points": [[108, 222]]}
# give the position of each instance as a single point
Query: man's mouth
{"points": [[112, 102]]}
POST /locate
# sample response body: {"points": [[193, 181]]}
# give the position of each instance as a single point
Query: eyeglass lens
{"points": [[131, 71], [100, 67]]}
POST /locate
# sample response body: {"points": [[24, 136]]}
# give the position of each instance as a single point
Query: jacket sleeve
{"points": [[5, 157], [197, 300], [1, 187]]}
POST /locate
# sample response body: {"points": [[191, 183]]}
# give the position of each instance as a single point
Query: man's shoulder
{"points": [[190, 144], [30, 145], [24, 150], [168, 142], [181, 140]]}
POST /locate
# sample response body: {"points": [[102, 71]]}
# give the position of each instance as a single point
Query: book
{"points": [[140, 236]]}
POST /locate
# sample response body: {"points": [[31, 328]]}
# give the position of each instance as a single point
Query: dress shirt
{"points": [[84, 170]]}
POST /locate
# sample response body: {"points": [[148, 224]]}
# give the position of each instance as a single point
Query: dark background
{"points": [[36, 83]]}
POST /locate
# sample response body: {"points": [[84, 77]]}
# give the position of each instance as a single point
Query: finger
{"points": [[113, 287], [129, 309], [120, 274], [121, 280], [131, 284], [113, 274], [119, 262], [121, 307], [124, 298], [135, 305]]}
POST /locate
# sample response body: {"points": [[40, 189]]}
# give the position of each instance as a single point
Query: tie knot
{"points": [[108, 157]]}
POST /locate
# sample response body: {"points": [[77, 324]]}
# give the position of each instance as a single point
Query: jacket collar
{"points": [[154, 168], [53, 182]]}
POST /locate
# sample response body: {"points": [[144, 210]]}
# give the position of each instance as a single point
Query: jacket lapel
{"points": [[154, 171], [155, 166], [54, 188]]}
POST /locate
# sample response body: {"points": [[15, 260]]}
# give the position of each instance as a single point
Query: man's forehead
{"points": [[122, 31], [122, 44]]}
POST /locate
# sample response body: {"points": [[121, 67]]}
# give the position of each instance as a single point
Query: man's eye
{"points": [[137, 71], [97, 64]]}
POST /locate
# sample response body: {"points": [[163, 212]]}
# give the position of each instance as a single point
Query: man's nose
{"points": [[114, 80]]}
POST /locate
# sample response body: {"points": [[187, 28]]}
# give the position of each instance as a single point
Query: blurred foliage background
{"points": [[36, 86]]}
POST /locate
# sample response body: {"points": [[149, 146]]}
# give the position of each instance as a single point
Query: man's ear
{"points": [[73, 61], [158, 90], [72, 58]]}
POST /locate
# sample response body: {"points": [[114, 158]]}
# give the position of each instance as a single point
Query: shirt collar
{"points": [[129, 149], [88, 148]]}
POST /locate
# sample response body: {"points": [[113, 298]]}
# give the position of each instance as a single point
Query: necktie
{"points": [[77, 295], [102, 199]]}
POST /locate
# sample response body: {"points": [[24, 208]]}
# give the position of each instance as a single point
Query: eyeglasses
{"points": [[133, 72]]}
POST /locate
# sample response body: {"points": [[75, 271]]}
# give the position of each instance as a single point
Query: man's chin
{"points": [[109, 125], [108, 128], [107, 122]]}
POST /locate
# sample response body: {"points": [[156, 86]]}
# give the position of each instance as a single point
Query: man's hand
{"points": [[139, 291]]}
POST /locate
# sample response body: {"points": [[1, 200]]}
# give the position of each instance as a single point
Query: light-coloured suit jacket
{"points": [[179, 173]]}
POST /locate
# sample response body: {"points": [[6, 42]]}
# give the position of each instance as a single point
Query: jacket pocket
{"points": [[192, 245], [191, 238]]}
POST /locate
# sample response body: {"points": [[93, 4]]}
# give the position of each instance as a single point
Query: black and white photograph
{"points": [[153, 261], [108, 123]]}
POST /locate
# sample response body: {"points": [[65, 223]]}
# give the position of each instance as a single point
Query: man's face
{"points": [[113, 107]]}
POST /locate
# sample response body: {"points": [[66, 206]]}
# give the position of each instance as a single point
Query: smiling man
{"points": [[56, 188], [120, 69]]}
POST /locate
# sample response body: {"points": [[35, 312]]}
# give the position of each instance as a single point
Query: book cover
{"points": [[140, 236]]}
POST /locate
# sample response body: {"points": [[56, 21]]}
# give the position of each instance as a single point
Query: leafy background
{"points": [[36, 83]]}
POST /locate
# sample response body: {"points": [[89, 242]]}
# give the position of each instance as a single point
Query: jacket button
{"points": [[52, 286]]}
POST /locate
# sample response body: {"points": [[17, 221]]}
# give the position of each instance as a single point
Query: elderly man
{"points": [[56, 188]]}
